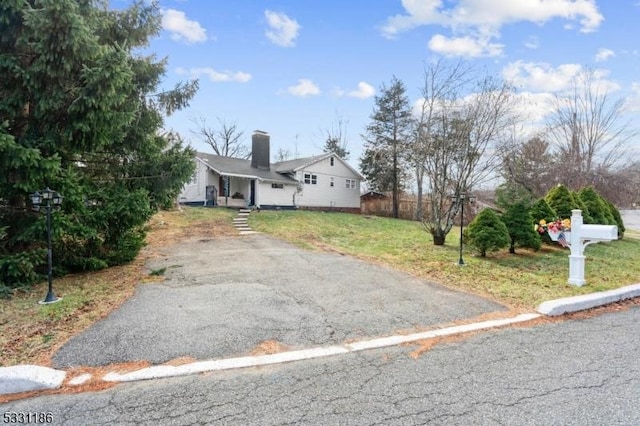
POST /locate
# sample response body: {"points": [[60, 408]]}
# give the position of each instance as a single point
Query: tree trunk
{"points": [[512, 247], [395, 184], [419, 210], [438, 237]]}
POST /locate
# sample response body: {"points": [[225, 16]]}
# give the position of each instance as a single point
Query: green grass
{"points": [[521, 281]]}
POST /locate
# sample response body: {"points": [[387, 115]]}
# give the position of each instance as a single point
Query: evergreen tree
{"points": [[540, 210], [598, 208], [617, 217], [518, 220], [378, 169], [81, 113], [510, 193], [562, 201], [487, 233], [336, 146], [384, 158]]}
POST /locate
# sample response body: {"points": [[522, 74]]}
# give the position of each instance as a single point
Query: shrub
{"points": [[19, 269], [519, 223], [542, 211], [617, 217], [562, 201], [487, 233], [597, 206]]}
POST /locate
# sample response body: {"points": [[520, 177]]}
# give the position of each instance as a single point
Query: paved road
{"points": [[224, 297], [578, 372], [631, 219]]}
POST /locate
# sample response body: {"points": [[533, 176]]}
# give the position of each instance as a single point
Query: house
{"points": [[322, 182]]}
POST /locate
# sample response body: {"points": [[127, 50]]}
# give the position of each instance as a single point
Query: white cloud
{"points": [[541, 76], [181, 28], [463, 46], [483, 19], [216, 76], [304, 88], [604, 54], [364, 91], [633, 102], [534, 107], [283, 30]]}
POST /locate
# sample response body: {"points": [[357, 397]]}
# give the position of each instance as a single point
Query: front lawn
{"points": [[521, 281]]}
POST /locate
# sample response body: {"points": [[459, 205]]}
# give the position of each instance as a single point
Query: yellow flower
{"points": [[542, 222]]}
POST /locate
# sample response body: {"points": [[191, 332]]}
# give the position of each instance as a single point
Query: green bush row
{"points": [[515, 225]]}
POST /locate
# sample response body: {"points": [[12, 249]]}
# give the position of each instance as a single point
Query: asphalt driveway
{"points": [[224, 297]]}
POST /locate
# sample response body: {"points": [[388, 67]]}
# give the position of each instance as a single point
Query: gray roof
{"points": [[278, 173], [293, 165], [300, 163], [241, 168]]}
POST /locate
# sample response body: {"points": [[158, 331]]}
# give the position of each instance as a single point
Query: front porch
{"points": [[233, 191], [231, 202]]}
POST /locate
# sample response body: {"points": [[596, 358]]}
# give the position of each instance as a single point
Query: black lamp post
{"points": [[462, 197], [48, 199]]}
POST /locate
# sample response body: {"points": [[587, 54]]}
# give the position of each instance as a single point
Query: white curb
{"points": [[588, 301], [161, 371], [24, 378]]}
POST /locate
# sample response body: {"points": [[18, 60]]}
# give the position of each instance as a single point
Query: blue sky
{"points": [[292, 67]]}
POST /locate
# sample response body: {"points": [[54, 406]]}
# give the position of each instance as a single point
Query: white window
{"points": [[310, 179], [194, 178], [350, 184], [332, 182], [331, 164]]}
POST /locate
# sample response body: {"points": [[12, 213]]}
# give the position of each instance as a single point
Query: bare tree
{"points": [[282, 154], [225, 141], [336, 139], [587, 130], [459, 133], [441, 89]]}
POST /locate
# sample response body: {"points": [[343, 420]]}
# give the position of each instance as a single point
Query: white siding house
{"points": [[326, 181], [320, 182]]}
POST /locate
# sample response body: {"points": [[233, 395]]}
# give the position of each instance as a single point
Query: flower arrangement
{"points": [[559, 225], [558, 230]]}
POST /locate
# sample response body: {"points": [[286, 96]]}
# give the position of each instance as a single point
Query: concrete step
{"points": [[244, 211]]}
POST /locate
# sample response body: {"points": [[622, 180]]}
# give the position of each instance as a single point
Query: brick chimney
{"points": [[260, 156]]}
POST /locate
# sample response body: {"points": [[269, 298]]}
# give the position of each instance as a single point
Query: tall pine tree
{"points": [[384, 160], [81, 112]]}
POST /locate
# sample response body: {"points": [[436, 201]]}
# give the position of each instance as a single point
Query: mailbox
{"points": [[599, 232]]}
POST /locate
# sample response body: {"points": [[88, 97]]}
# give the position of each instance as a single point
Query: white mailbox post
{"points": [[581, 236]]}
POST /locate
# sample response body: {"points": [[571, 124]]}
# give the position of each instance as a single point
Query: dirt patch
{"points": [[269, 347]]}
